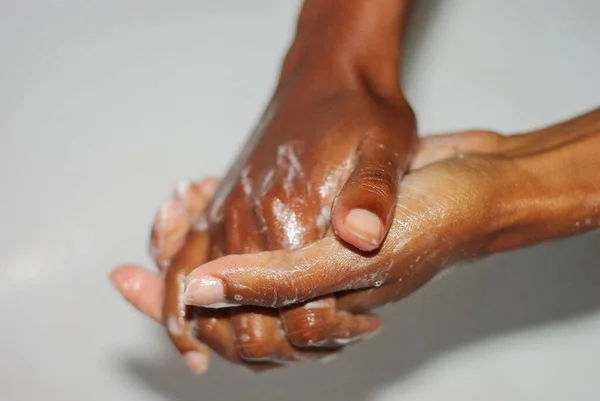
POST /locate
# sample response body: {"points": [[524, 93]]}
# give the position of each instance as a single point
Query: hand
{"points": [[468, 195], [173, 223], [192, 329], [337, 116], [327, 154]]}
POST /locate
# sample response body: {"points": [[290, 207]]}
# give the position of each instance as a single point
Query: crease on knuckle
{"points": [[254, 348], [376, 180], [307, 329]]}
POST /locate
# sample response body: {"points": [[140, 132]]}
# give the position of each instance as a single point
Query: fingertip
{"points": [[366, 227], [139, 287], [197, 361], [125, 278], [205, 291]]}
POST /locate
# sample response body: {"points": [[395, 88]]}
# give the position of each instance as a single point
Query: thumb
{"points": [[279, 278], [362, 211]]}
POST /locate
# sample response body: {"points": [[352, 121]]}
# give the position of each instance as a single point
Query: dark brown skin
{"points": [[332, 146], [337, 117], [467, 195], [338, 135], [488, 193]]}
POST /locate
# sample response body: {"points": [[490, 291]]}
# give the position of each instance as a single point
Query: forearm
{"points": [[354, 40], [556, 181]]}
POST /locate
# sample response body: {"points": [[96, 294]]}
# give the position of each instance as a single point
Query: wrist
{"points": [[351, 42], [553, 188]]}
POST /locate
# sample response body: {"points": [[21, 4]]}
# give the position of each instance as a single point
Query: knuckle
{"points": [[307, 331], [377, 180], [254, 348]]}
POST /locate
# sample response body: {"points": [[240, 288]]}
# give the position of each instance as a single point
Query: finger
{"points": [[178, 322], [350, 327], [141, 288], [171, 225], [195, 195], [285, 212], [144, 290], [329, 328], [215, 329], [362, 211], [282, 278], [260, 338], [253, 332], [176, 217], [257, 332]]}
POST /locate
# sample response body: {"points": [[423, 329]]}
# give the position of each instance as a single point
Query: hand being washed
{"points": [[215, 328], [468, 194], [326, 156]]}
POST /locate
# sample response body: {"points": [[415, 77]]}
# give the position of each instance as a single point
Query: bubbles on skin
{"points": [[343, 341], [246, 182], [401, 244], [201, 224], [333, 182], [244, 338], [585, 225], [318, 304], [173, 326], [266, 182], [293, 231], [238, 297], [323, 220], [378, 284], [169, 211], [180, 295], [288, 159]]}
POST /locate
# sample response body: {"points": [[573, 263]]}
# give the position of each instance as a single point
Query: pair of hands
{"points": [[353, 210], [344, 153]]}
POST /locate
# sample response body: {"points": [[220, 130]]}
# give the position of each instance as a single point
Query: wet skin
{"points": [[325, 174], [467, 195]]}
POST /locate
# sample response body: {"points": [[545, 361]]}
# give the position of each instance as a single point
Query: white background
{"points": [[105, 104]]}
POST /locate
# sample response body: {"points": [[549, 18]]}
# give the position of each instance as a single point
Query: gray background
{"points": [[106, 104]]}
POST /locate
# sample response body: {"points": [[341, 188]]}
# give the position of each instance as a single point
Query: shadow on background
{"points": [[506, 293]]}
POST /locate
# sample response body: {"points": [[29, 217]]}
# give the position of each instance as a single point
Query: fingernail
{"points": [[204, 291], [196, 361], [124, 283], [365, 225]]}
